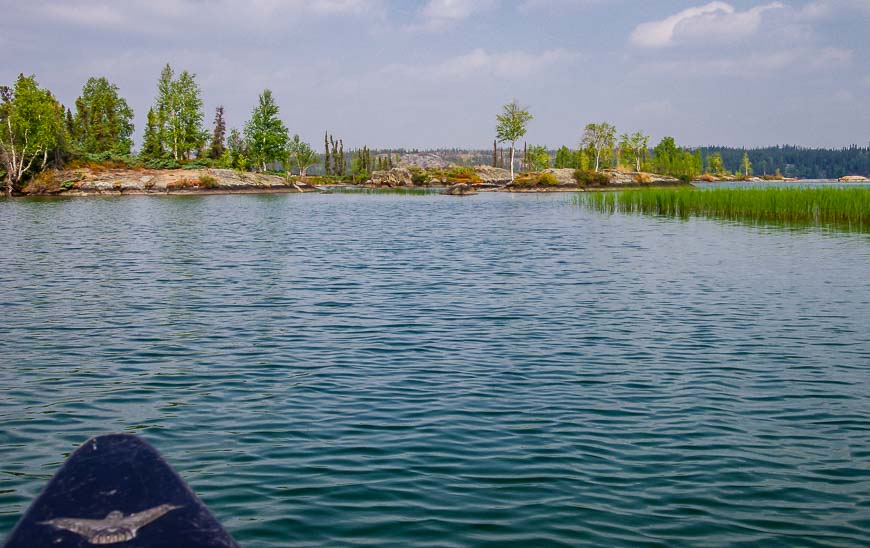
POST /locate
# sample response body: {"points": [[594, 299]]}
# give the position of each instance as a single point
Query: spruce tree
{"points": [[103, 121], [327, 169], [152, 149], [217, 138]]}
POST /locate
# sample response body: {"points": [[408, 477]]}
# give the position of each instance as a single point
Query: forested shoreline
{"points": [[38, 132]]}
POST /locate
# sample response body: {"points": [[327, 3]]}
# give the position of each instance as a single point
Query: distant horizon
{"points": [[422, 73]]}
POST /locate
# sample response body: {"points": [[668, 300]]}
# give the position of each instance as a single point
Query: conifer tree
{"points": [[217, 138], [152, 149], [327, 168]]}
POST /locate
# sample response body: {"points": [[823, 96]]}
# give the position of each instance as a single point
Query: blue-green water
{"points": [[398, 370]]}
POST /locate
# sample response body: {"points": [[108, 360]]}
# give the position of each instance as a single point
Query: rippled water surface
{"points": [[426, 370]]}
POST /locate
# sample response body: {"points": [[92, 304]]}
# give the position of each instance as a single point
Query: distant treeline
{"points": [[790, 161], [794, 161]]}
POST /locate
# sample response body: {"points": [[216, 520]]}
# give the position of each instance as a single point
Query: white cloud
{"points": [[535, 5], [439, 14], [480, 63], [866, 81], [716, 20], [143, 15], [755, 65]]}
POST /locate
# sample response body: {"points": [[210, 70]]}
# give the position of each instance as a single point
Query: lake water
{"points": [[426, 370]]}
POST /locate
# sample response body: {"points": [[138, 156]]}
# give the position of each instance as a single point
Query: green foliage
{"points": [[633, 149], [585, 177], [361, 165], [676, 162], [301, 155], [512, 122], [511, 126], [547, 179], [715, 165], [162, 163], [103, 121], [848, 207], [178, 116], [793, 161], [419, 175], [459, 174], [31, 127], [265, 133], [538, 158], [152, 148], [237, 152], [599, 139], [565, 158], [218, 135], [207, 181], [746, 165]]}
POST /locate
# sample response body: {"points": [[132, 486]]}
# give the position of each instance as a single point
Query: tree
{"points": [[511, 127], [217, 137], [152, 149], [666, 156], [31, 126], [103, 121], [327, 169], [538, 158], [599, 139], [746, 165], [715, 165], [266, 134], [301, 155], [179, 114], [565, 159], [238, 150], [634, 148]]}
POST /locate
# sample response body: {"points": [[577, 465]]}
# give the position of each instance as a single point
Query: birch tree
{"points": [[511, 127], [599, 138], [266, 133], [636, 146], [31, 126], [179, 113], [301, 155]]}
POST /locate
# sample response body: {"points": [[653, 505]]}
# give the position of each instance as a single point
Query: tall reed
{"points": [[848, 207]]}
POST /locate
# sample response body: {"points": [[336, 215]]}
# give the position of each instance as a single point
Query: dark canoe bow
{"points": [[117, 490]]}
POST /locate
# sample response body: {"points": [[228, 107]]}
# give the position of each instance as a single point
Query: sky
{"points": [[434, 73]]}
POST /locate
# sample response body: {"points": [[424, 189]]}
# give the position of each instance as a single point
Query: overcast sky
{"points": [[433, 73]]}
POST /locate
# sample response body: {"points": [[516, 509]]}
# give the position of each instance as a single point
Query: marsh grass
{"points": [[840, 207]]}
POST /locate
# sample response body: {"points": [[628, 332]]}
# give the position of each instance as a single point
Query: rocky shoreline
{"points": [[465, 181], [102, 182]]}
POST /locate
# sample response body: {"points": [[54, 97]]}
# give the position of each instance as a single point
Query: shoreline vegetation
{"points": [[49, 148], [834, 207]]}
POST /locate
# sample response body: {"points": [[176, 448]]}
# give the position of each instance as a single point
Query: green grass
{"points": [[845, 207]]}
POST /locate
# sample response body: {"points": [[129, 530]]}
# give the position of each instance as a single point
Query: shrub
{"points": [[590, 178], [207, 181], [462, 175], [419, 175], [642, 178], [163, 163], [547, 179], [67, 185]]}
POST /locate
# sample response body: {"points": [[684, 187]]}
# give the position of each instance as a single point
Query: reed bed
{"points": [[843, 207]]}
